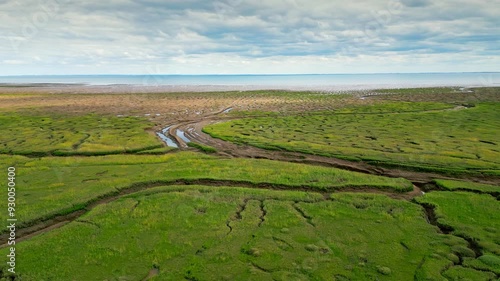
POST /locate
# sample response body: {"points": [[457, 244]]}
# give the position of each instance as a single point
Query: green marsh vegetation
{"points": [[447, 95], [420, 136], [474, 217], [453, 185], [222, 233], [59, 185], [193, 216], [40, 135], [201, 147]]}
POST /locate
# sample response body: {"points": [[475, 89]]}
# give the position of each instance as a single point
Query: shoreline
{"points": [[131, 88]]}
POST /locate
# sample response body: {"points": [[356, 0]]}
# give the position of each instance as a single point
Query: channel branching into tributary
{"points": [[44, 225], [192, 131], [35, 227], [179, 135]]}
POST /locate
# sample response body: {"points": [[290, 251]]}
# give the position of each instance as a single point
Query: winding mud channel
{"points": [[165, 137], [38, 227], [183, 132], [192, 131]]}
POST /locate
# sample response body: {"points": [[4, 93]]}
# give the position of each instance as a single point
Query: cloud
{"points": [[243, 36], [415, 3]]}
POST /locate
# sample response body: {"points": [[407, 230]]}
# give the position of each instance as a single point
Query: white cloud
{"points": [[243, 36]]}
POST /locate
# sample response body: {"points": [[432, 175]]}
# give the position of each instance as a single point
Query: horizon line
{"points": [[253, 74]]}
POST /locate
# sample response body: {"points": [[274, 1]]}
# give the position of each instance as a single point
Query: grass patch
{"points": [[219, 233], [156, 151], [52, 185], [464, 273], [41, 135], [475, 217], [419, 136], [395, 107], [453, 185], [470, 215], [204, 148]]}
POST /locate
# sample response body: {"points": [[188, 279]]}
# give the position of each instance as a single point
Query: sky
{"points": [[248, 37]]}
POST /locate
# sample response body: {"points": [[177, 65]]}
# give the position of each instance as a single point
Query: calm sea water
{"points": [[274, 81]]}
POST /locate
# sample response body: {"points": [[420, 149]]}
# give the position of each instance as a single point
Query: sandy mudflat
{"points": [[177, 102], [127, 88]]}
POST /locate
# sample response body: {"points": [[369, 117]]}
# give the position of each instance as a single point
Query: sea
{"points": [[299, 81]]}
